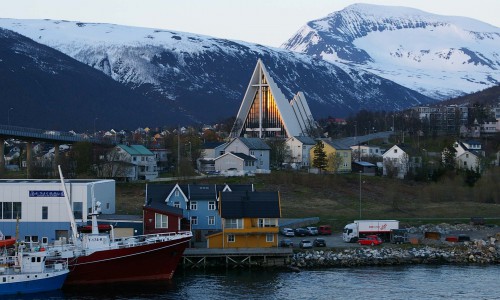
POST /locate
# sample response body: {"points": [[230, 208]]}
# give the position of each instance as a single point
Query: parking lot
{"points": [[332, 241]]}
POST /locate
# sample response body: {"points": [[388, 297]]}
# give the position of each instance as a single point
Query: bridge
{"points": [[50, 136]]}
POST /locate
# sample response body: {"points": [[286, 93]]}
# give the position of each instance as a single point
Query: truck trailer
{"points": [[361, 228]]}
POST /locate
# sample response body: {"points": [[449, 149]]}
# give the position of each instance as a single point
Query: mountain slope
{"points": [[48, 89], [206, 77], [438, 56]]}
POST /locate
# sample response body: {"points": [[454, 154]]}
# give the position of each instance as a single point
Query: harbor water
{"points": [[401, 282]]}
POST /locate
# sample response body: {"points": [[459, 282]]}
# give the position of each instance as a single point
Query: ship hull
{"points": [[23, 284], [156, 261]]}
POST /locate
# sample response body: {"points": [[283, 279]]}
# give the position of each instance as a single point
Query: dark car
{"points": [[286, 243], [319, 242], [301, 232]]}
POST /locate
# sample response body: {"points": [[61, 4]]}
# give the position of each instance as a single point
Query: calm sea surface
{"points": [[409, 282]]}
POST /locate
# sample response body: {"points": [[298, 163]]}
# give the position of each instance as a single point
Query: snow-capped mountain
{"points": [[439, 56], [205, 77], [44, 88]]}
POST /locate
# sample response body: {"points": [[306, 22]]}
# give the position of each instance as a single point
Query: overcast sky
{"points": [[268, 22]]}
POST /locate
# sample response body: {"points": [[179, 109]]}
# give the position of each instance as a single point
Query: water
{"points": [[407, 282]]}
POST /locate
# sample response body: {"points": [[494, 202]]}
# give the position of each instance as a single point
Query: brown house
{"points": [[159, 217]]}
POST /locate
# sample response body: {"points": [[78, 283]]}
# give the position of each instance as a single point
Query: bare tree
{"points": [[334, 162]]}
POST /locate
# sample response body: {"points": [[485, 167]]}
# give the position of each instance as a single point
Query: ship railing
{"points": [[138, 240]]}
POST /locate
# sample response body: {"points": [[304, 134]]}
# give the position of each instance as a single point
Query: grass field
{"points": [[335, 199]]}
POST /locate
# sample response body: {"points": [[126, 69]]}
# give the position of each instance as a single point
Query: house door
{"points": [[62, 234]]}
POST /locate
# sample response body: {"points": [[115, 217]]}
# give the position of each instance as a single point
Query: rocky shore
{"points": [[477, 251]]}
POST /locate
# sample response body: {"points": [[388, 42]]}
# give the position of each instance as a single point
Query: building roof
{"points": [[136, 150], [337, 144], [306, 140], [363, 163], [243, 156], [161, 206], [211, 145], [254, 143], [160, 192], [250, 205], [235, 187], [202, 192]]}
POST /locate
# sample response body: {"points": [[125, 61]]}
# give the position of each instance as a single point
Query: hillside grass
{"points": [[335, 199]]}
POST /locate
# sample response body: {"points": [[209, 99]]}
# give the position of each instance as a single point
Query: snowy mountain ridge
{"points": [[439, 56], [205, 77]]}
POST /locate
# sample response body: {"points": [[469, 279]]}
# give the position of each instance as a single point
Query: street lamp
{"points": [[8, 115], [94, 125], [360, 195]]}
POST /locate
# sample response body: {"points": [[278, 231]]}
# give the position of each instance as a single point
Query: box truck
{"points": [[361, 228]]}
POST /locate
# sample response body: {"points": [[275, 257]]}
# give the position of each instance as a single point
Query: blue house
{"points": [[199, 203]]}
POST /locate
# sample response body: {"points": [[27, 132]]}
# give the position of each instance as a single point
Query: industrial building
{"points": [[36, 209]]}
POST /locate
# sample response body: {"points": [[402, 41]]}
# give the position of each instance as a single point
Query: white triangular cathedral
{"points": [[265, 112]]}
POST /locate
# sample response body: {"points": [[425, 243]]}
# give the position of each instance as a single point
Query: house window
{"points": [[211, 205], [465, 163], [177, 204], [177, 193], [134, 158], [107, 205], [211, 220], [269, 238], [252, 152], [161, 221], [233, 223], [78, 210], [193, 205], [231, 238], [267, 222], [45, 212], [466, 155], [395, 150], [194, 220]]}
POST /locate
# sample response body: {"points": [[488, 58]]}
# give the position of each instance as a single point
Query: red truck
{"points": [[371, 240]]}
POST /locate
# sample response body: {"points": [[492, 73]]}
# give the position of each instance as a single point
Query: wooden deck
{"points": [[234, 258]]}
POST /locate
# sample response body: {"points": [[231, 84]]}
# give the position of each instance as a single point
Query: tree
{"points": [[449, 158], [390, 168], [334, 162], [81, 153], [319, 160], [279, 152]]}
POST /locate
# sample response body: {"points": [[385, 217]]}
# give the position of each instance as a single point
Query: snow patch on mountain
{"points": [[440, 56]]}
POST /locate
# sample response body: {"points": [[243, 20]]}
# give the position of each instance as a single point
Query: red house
{"points": [[159, 217]]}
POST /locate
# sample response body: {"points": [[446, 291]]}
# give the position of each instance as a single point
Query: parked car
{"points": [[304, 244], [312, 230], [286, 243], [371, 240], [319, 242], [325, 230], [287, 232], [301, 232]]}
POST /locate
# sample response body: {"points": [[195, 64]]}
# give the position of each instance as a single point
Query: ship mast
{"points": [[68, 207]]}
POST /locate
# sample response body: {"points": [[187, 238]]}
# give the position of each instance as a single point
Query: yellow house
{"points": [[338, 156], [249, 220]]}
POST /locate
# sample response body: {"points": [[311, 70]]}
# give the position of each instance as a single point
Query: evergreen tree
{"points": [[319, 160]]}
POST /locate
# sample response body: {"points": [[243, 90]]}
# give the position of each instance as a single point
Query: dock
{"points": [[202, 258]]}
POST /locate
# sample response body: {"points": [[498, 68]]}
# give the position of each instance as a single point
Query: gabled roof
{"points": [[243, 156], [235, 188], [250, 205], [254, 143], [211, 145], [306, 140], [161, 206], [136, 150], [336, 144], [202, 192], [363, 163]]}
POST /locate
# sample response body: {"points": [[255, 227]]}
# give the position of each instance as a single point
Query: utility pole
{"points": [[178, 150]]}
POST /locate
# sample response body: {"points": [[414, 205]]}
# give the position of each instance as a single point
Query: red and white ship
{"points": [[96, 258]]}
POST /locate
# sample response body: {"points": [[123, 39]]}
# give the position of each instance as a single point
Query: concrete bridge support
{"points": [[2, 156], [29, 159], [55, 162]]}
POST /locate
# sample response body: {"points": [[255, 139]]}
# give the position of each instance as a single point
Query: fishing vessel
{"points": [[30, 272], [98, 257]]}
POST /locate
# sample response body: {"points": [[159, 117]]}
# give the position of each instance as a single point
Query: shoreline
{"points": [[477, 252]]}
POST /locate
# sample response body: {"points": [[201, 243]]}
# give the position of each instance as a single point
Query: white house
{"points": [[399, 160], [239, 162], [366, 151], [41, 206], [468, 154], [299, 147], [253, 147], [212, 149], [134, 162]]}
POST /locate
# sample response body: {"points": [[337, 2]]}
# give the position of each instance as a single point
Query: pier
{"points": [[198, 258]]}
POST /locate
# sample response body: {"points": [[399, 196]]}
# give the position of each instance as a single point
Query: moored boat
{"points": [[98, 257], [30, 272]]}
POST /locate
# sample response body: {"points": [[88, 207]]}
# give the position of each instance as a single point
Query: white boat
{"points": [[30, 272]]}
